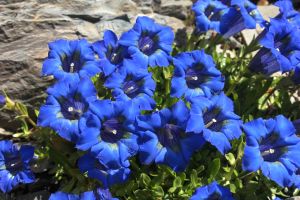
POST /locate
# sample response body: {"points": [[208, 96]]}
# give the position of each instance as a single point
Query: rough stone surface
{"points": [[26, 28]]}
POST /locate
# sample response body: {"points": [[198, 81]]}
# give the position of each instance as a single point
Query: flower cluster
{"points": [[226, 17], [112, 129], [280, 43], [273, 147], [128, 97], [15, 165]]}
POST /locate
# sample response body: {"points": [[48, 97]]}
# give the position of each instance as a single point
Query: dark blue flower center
{"points": [[147, 45], [215, 196], [194, 77], [213, 13], [101, 194], [114, 55], [270, 148], [212, 120], [112, 130], [132, 87], [170, 135], [13, 163], [281, 43], [73, 109], [71, 64]]}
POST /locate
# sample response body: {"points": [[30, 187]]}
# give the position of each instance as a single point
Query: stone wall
{"points": [[27, 26]]}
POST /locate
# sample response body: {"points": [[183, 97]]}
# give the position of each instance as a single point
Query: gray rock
{"points": [[175, 8], [293, 198]]}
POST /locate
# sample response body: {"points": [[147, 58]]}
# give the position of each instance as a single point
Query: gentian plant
{"points": [[140, 116]]}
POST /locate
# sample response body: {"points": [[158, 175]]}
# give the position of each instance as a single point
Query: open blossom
{"points": [[2, 100], [195, 74], [208, 14], [216, 120], [98, 194], [110, 53], [135, 88], [14, 165], [288, 12], [211, 192], [67, 109], [273, 147], [108, 176], [164, 138], [242, 14], [69, 60], [280, 48], [116, 140], [226, 17], [149, 42]]}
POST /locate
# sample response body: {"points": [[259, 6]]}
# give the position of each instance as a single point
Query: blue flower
{"points": [[111, 54], [242, 15], [212, 191], [296, 178], [67, 110], [98, 170], [216, 119], [208, 14], [273, 147], [116, 140], [164, 138], [195, 74], [14, 165], [296, 76], [70, 60], [296, 124], [288, 12], [2, 100], [149, 42], [280, 51], [135, 88], [98, 194]]}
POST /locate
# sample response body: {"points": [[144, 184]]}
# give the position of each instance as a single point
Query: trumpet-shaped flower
{"points": [[110, 53], [98, 194], [67, 109], [69, 60], [211, 192], [273, 147], [149, 42], [280, 51], [14, 165], [288, 12], [116, 141], [2, 100], [164, 138], [216, 119], [98, 170], [208, 14], [134, 87], [242, 15], [195, 74]]}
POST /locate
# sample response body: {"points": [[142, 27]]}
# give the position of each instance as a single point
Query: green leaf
{"points": [[214, 168], [231, 159], [145, 179], [177, 182], [158, 191], [194, 178]]}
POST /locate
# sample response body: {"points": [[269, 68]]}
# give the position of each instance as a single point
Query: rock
{"points": [[175, 8], [293, 198]]}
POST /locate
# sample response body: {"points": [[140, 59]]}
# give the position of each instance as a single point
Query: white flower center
{"points": [[71, 109], [211, 123]]}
